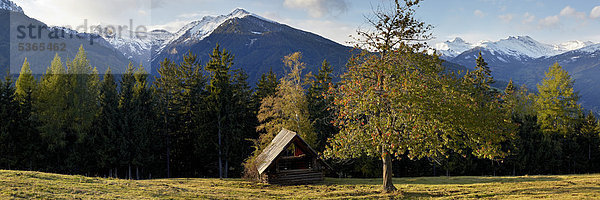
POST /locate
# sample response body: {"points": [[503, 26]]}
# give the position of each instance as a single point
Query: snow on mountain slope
{"points": [[453, 48], [519, 46], [198, 30], [10, 6], [572, 45], [142, 49], [590, 48], [511, 46], [138, 46]]}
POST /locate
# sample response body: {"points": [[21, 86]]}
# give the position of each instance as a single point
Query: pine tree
{"points": [[193, 132], [266, 86], [320, 105], [144, 122], [8, 124], [167, 89], [220, 95], [481, 78], [242, 120], [106, 126], [590, 132], [126, 138]]}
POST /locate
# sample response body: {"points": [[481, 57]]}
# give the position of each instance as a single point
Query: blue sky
{"points": [[550, 21]]}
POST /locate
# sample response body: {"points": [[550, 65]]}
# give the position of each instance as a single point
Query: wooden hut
{"points": [[289, 160]]}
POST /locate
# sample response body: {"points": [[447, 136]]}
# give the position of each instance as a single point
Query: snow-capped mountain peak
{"points": [[590, 48], [157, 40], [10, 6], [521, 46], [198, 30], [514, 46], [453, 48], [572, 45], [239, 13]]}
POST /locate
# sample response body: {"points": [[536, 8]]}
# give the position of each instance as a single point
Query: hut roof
{"points": [[278, 145]]}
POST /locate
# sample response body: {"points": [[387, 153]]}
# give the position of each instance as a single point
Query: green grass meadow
{"points": [[37, 185]]}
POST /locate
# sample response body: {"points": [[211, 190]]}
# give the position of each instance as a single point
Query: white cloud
{"points": [[506, 18], [528, 18], [318, 8], [567, 11], [479, 13], [595, 12], [195, 15], [75, 12], [549, 21], [571, 12]]}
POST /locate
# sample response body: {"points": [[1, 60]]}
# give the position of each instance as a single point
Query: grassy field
{"points": [[21, 184]]}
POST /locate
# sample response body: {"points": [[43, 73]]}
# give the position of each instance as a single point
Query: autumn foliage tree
{"points": [[397, 100]]}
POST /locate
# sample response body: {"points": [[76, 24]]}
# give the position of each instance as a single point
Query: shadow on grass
{"points": [[459, 180], [554, 190]]}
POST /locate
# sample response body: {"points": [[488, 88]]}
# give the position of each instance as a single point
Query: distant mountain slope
{"points": [[583, 64], [139, 49], [512, 46], [258, 44], [100, 53], [452, 48]]}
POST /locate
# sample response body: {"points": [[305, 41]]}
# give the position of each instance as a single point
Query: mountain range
{"points": [[524, 60], [259, 44], [17, 30]]}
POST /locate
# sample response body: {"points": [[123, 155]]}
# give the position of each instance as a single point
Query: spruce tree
{"points": [[242, 120], [144, 122], [266, 86], [167, 89], [126, 138], [220, 95], [590, 133], [106, 126], [320, 105], [8, 124], [481, 78]]}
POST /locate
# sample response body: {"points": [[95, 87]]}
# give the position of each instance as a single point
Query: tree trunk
{"points": [[137, 173], [129, 172], [514, 169], [168, 157], [226, 168], [388, 186], [166, 127], [220, 151], [589, 162]]}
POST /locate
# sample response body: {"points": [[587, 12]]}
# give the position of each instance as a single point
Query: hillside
{"points": [[21, 184]]}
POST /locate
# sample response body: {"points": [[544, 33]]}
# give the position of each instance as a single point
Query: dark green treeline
{"points": [[197, 120]]}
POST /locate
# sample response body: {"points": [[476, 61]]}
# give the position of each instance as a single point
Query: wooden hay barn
{"points": [[289, 160]]}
